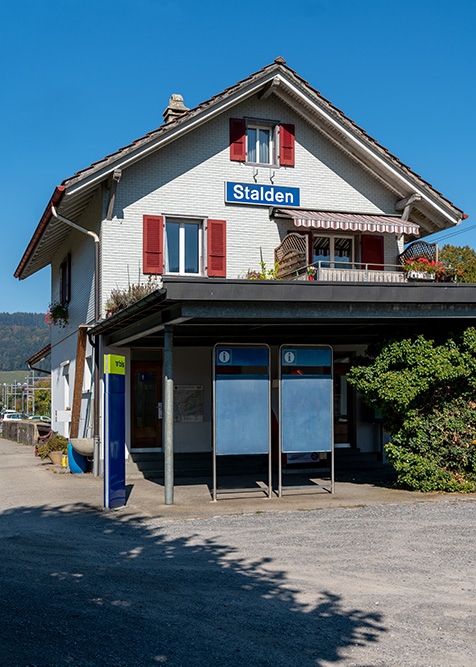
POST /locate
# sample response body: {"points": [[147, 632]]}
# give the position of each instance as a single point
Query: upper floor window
{"points": [[333, 250], [261, 142], [183, 247]]}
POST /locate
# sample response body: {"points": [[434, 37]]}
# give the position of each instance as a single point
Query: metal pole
{"points": [[169, 415], [280, 419], [96, 396], [214, 493]]}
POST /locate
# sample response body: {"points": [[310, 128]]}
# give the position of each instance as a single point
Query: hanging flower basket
{"points": [[57, 314]]}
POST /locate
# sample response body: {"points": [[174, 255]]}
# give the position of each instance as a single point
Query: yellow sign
{"points": [[114, 364]]}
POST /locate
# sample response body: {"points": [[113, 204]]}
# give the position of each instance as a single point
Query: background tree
{"points": [[462, 258], [427, 394], [43, 397]]}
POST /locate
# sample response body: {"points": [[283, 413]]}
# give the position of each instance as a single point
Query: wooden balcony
{"points": [[291, 261]]}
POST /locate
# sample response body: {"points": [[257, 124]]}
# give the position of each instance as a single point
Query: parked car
{"points": [[7, 416], [41, 418]]}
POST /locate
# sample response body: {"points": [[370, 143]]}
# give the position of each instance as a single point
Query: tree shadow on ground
{"points": [[81, 587]]}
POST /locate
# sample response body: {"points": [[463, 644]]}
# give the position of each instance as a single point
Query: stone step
{"points": [[151, 466]]}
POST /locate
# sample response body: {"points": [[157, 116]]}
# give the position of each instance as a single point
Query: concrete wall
{"points": [[20, 430]]}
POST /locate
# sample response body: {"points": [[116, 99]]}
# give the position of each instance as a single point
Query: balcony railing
{"points": [[350, 272], [291, 261]]}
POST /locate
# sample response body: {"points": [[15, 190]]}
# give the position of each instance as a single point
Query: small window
{"points": [[65, 280], [260, 144], [183, 247]]}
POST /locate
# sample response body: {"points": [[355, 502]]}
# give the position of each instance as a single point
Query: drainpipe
{"points": [[95, 237]]}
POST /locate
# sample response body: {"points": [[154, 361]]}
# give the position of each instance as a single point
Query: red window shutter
{"points": [[286, 145], [216, 241], [153, 255], [372, 251], [237, 139]]}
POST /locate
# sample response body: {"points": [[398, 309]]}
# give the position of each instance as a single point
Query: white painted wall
{"points": [[80, 311], [187, 178]]}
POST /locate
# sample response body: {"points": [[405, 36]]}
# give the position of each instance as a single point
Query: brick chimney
{"points": [[175, 109]]}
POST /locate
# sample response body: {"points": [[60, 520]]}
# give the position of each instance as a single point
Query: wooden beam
{"points": [[78, 381], [406, 205], [270, 88]]}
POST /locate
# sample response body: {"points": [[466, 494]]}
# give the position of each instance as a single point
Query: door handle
{"points": [[159, 410]]}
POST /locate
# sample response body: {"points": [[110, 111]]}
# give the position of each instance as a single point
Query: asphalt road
{"points": [[364, 586]]}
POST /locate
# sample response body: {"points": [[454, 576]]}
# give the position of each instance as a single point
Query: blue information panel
{"points": [[242, 396], [114, 431], [306, 410]]}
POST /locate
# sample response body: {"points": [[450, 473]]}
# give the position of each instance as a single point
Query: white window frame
{"points": [[332, 259], [270, 126], [182, 221]]}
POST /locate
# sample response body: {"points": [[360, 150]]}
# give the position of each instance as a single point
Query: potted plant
{"points": [[57, 314], [55, 448]]}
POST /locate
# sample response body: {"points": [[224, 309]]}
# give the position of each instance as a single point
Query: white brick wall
{"points": [[187, 178]]}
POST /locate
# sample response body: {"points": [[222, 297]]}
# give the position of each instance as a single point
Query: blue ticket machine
{"points": [[306, 413], [242, 403], [114, 431]]}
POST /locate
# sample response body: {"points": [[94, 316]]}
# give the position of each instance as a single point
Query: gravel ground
{"points": [[387, 585]]}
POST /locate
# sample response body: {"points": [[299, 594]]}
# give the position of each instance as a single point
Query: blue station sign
{"points": [[261, 195]]}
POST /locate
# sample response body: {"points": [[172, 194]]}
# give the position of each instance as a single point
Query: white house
{"points": [[267, 168]]}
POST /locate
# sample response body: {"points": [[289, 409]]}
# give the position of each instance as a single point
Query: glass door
{"points": [[146, 417], [343, 408]]}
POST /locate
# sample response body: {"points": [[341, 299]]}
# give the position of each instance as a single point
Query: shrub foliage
{"points": [[426, 391]]}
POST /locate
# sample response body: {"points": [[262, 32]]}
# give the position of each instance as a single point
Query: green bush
{"points": [[426, 391], [54, 444], [419, 473]]}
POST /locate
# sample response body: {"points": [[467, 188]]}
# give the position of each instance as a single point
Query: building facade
{"points": [[268, 172]]}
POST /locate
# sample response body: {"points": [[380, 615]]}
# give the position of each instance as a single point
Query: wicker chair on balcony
{"points": [[291, 255]]}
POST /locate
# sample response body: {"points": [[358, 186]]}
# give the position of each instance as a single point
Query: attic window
{"points": [[261, 142]]}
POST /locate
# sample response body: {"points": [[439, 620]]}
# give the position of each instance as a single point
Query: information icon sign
{"points": [[289, 357], [224, 356]]}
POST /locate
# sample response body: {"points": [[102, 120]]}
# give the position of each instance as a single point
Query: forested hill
{"points": [[21, 335]]}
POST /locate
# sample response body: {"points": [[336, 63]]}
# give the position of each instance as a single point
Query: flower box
{"points": [[420, 275]]}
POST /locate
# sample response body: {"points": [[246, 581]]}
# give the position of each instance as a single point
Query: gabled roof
{"points": [[433, 212]]}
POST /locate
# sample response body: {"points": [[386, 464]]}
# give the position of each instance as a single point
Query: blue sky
{"points": [[81, 79]]}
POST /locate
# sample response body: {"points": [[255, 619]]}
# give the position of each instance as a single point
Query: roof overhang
{"points": [[207, 311]]}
